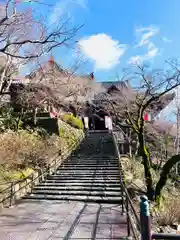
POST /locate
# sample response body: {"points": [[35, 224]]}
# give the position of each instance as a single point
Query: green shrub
{"points": [[69, 134], [73, 121]]}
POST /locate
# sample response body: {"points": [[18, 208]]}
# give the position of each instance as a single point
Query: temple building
{"points": [[83, 96], [112, 100]]}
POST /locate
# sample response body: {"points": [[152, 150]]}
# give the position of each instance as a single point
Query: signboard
{"points": [[53, 114], [147, 117], [86, 122], [108, 123]]}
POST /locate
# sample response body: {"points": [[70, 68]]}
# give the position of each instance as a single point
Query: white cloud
{"points": [[64, 7], [145, 35], [166, 40], [102, 50], [82, 3], [151, 53], [135, 60], [150, 46], [139, 59]]}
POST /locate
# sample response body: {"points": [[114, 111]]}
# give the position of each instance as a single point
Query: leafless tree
{"points": [[159, 138], [154, 92], [9, 69], [26, 35], [177, 126]]}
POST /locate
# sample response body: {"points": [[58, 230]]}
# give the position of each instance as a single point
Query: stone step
{"points": [[83, 156], [93, 169], [82, 159], [109, 168], [77, 193], [79, 184], [100, 168], [90, 171], [90, 162], [82, 178], [93, 177], [86, 172], [97, 168], [75, 181], [97, 199], [78, 188], [92, 157], [89, 167]]}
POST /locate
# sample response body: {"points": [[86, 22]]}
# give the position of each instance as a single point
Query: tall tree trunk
{"points": [[147, 166], [3, 75], [161, 160], [164, 175], [178, 136]]}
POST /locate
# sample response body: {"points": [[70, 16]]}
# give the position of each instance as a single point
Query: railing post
{"points": [[145, 219], [56, 162], [122, 148], [11, 195], [49, 170], [128, 220], [122, 196], [32, 181]]}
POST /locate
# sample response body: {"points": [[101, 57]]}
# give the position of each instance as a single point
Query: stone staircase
{"points": [[91, 174]]}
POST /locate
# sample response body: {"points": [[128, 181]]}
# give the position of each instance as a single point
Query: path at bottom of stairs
{"points": [[55, 220]]}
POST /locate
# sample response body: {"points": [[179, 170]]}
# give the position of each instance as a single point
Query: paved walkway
{"points": [[51, 220]]}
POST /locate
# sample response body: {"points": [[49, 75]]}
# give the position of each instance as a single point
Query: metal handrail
{"points": [[31, 176], [16, 181], [162, 236], [4, 183], [128, 199], [165, 236], [132, 207]]}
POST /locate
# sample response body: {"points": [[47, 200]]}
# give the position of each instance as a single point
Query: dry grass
{"points": [[23, 152], [169, 214], [133, 167], [22, 149]]}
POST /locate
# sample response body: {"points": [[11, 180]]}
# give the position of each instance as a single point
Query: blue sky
{"points": [[117, 33]]}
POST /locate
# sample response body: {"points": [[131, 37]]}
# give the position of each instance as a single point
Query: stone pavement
{"points": [[53, 220]]}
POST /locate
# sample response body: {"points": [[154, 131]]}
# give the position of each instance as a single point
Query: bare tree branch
{"points": [[22, 31]]}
